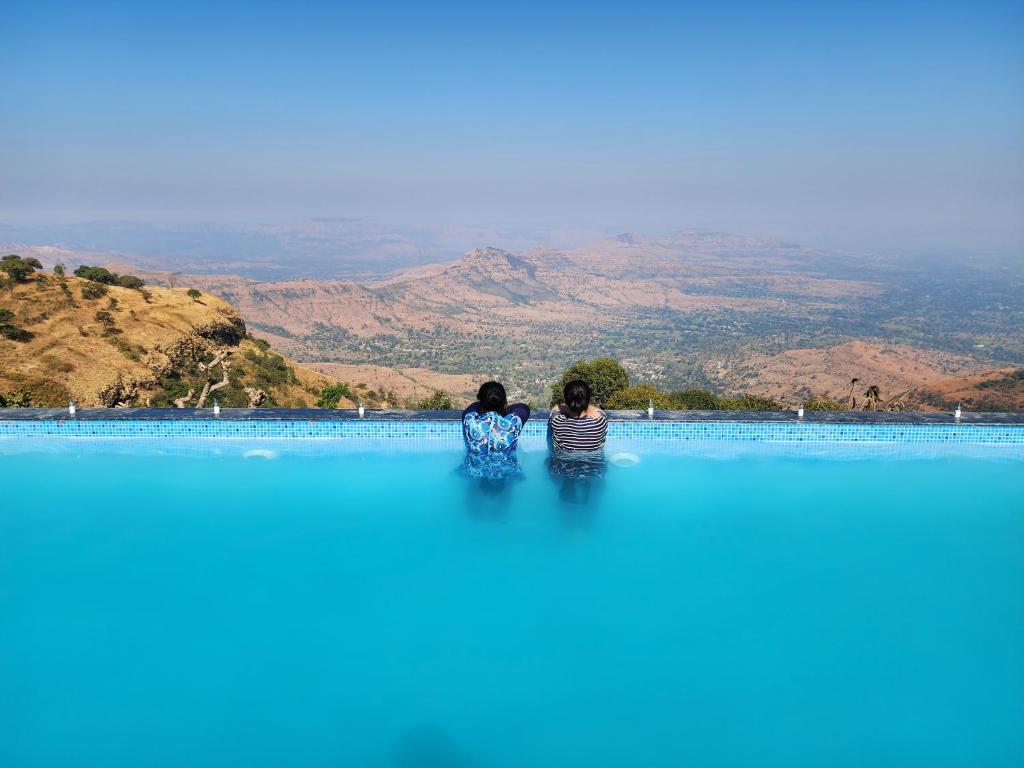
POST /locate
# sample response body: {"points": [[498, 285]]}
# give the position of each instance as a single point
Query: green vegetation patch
{"points": [[9, 329], [611, 389], [104, 276], [438, 400], [18, 269], [332, 394]]}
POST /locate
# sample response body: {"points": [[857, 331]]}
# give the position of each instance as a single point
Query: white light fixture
{"points": [[71, 408]]}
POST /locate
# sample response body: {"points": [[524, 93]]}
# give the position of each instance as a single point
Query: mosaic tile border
{"points": [[448, 432], [331, 415]]}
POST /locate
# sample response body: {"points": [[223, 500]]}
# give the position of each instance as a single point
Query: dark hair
{"points": [[492, 397], [576, 397]]}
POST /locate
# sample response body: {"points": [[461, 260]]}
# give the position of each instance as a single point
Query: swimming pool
{"points": [[175, 596]]}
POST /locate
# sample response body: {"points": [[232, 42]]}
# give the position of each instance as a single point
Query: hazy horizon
{"points": [[895, 127]]}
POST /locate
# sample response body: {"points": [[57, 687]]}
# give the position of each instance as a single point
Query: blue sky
{"points": [[876, 125]]}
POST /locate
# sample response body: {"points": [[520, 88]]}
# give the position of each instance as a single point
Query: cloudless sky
{"points": [[884, 125]]}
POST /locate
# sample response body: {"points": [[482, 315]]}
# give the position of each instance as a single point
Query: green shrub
{"points": [[128, 350], [823, 404], [94, 291], [43, 392], [438, 401], [58, 270], [749, 403], [638, 397], [694, 400], [104, 276], [9, 330], [194, 294], [130, 281], [331, 394], [269, 369], [96, 274], [18, 399], [604, 375]]}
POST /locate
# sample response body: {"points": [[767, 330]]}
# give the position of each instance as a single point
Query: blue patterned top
{"points": [[490, 432]]}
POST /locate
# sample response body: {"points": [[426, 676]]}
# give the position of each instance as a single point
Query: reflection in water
{"points": [[430, 746], [580, 479], [491, 475]]}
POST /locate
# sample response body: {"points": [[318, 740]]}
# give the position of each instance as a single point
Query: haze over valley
{"points": [[694, 309]]}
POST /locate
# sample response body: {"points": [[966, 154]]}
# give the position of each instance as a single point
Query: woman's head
{"points": [[576, 396], [492, 397]]}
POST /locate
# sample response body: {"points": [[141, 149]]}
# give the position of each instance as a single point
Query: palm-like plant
{"points": [[873, 397], [851, 399]]}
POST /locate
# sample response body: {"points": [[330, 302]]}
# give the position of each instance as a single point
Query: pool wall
{"points": [[995, 429]]}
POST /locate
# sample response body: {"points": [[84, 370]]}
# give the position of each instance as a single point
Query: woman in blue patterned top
{"points": [[491, 429]]}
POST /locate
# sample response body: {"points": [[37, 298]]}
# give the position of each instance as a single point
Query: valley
{"points": [[695, 309]]}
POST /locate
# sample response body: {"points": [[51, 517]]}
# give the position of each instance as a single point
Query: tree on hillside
{"points": [[437, 401], [695, 400], [331, 394], [17, 268], [604, 375], [104, 276], [130, 281], [194, 294], [96, 274], [638, 397]]}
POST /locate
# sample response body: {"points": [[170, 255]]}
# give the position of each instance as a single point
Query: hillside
{"points": [[797, 374], [705, 309], [108, 345], [998, 390]]}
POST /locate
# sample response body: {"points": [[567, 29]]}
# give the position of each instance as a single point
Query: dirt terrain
{"points": [[997, 390], [793, 376]]}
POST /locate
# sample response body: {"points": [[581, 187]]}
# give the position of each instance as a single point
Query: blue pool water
{"points": [[304, 606]]}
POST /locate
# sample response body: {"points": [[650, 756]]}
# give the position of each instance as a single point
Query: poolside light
{"points": [[71, 407], [650, 408], [216, 408], [957, 413], [800, 413], [362, 410]]}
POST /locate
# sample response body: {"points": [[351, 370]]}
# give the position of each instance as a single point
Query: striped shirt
{"points": [[580, 434]]}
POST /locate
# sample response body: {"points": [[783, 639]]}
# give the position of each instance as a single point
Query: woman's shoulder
{"points": [[522, 410]]}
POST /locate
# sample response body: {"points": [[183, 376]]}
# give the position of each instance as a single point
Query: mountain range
{"points": [[697, 308]]}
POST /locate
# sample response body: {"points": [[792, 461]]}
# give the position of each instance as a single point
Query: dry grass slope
{"points": [[137, 347]]}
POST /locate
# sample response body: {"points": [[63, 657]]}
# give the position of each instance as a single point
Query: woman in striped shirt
{"points": [[575, 424]]}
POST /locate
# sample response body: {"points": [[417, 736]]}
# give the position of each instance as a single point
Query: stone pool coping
{"points": [[331, 415]]}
